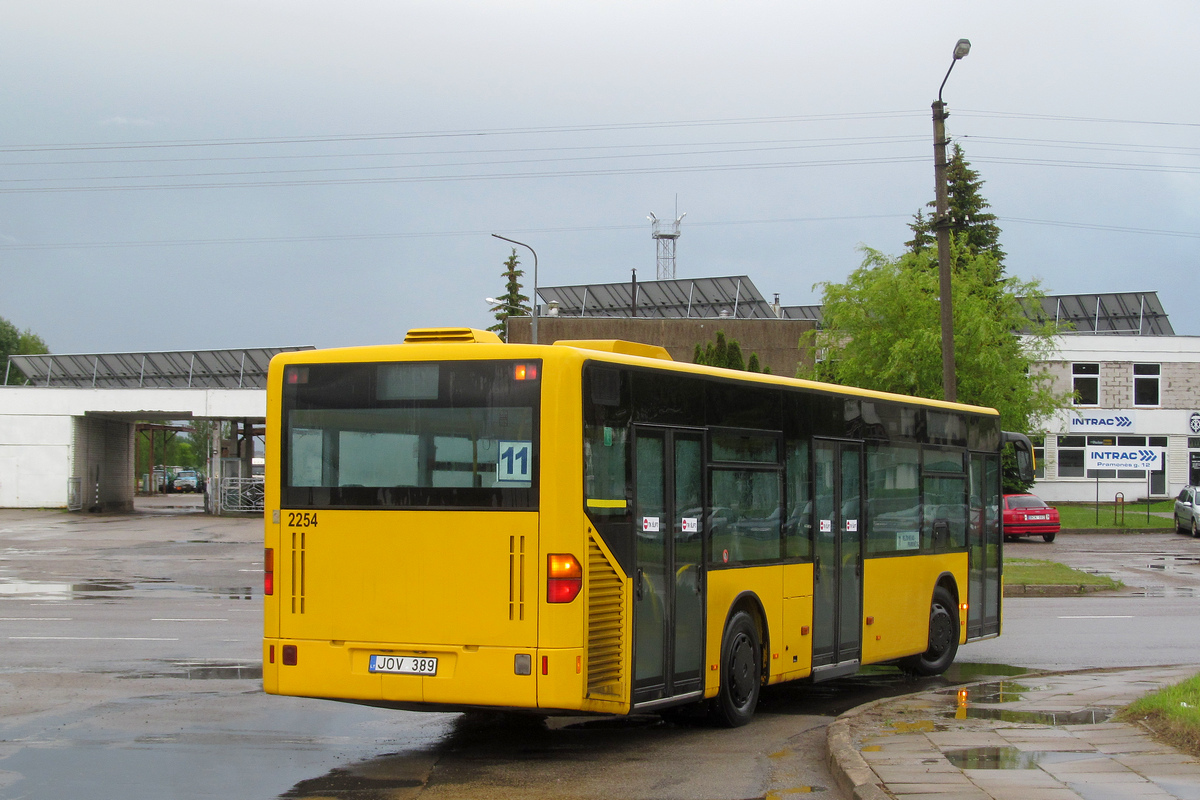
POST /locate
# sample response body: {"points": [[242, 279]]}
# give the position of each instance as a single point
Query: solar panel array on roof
{"points": [[184, 369], [735, 296], [1129, 313]]}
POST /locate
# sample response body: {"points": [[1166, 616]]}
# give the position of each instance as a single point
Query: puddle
{"points": [[112, 588], [993, 692], [1087, 716], [1172, 563], [204, 671], [1162, 591], [1013, 758]]}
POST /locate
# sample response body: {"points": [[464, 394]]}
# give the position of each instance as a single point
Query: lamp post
{"points": [[941, 224], [533, 317]]}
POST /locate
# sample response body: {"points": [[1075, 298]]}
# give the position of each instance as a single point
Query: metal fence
{"points": [[74, 494], [241, 494]]}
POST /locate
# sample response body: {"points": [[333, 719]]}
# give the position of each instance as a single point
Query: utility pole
{"points": [[941, 224]]}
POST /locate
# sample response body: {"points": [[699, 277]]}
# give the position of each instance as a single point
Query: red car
{"points": [[1028, 515]]}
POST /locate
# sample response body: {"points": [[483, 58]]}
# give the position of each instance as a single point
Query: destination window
{"points": [[1086, 384]]}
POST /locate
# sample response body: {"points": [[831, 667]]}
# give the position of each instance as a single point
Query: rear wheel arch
{"points": [[750, 603]]}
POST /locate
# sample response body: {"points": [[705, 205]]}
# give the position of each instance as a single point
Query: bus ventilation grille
{"points": [[606, 626], [468, 335]]}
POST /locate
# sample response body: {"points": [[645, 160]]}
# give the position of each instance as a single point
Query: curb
{"points": [[854, 777], [1051, 590]]}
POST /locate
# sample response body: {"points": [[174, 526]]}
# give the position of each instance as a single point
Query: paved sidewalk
{"points": [[1033, 737]]}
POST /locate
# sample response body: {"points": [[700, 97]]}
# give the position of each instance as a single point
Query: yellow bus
{"points": [[591, 527]]}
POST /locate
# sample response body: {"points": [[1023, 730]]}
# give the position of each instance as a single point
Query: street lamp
{"points": [[941, 224], [533, 318]]}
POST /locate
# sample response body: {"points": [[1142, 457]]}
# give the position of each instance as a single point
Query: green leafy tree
{"points": [[971, 224], [881, 330], [16, 342], [727, 354], [512, 302]]}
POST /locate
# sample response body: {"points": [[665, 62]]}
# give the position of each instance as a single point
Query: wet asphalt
{"points": [[130, 669]]}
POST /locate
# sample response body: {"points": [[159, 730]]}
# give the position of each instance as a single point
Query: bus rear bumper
{"points": [[503, 677]]}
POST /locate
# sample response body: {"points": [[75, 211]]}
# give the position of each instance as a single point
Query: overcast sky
{"points": [[193, 175]]}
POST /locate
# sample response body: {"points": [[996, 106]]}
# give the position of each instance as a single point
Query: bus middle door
{"points": [[838, 559], [668, 582]]}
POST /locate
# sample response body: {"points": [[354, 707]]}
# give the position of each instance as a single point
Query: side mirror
{"points": [[1026, 463]]}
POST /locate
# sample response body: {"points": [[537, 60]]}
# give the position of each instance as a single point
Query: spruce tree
{"points": [[512, 302], [972, 226]]}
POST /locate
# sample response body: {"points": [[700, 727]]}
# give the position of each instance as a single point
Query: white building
{"points": [[67, 439], [1130, 391]]}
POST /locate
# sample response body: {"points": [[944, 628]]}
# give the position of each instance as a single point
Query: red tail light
{"points": [[269, 572], [564, 578]]}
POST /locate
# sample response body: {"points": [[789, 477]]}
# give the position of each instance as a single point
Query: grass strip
{"points": [[1172, 714], [1083, 516], [1035, 572]]}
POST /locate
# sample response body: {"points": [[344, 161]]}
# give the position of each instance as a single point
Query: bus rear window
{"points": [[457, 434]]}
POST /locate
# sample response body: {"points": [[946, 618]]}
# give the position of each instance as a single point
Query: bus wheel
{"points": [[741, 672], [943, 637]]}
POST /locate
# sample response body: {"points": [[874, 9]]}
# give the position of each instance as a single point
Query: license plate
{"points": [[1038, 516], [403, 665]]}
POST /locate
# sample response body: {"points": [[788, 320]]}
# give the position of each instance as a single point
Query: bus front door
{"points": [[838, 559], [668, 617]]}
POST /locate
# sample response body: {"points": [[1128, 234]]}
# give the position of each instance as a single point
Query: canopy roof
{"points": [[180, 369]]}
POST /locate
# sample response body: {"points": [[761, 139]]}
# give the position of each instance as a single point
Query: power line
{"points": [[582, 173], [363, 137], [504, 162], [413, 234], [1095, 227], [552, 230]]}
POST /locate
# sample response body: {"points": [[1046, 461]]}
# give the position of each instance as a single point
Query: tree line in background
{"points": [[727, 354], [14, 342]]}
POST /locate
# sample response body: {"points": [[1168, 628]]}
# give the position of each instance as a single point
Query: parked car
{"points": [[1187, 509], [186, 480], [1028, 515]]}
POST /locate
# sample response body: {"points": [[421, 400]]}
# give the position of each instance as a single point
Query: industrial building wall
{"points": [[776, 341], [103, 460], [35, 461]]}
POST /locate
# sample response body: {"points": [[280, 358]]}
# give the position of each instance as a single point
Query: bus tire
{"points": [[943, 637], [741, 672]]}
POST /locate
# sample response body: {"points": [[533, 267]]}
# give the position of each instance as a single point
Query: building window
{"points": [[1039, 456], [1070, 456], [1086, 384], [1145, 384]]}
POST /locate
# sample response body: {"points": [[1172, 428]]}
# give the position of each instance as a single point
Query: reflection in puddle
{"points": [[1013, 758], [1087, 716], [994, 692], [112, 588], [1162, 591], [1172, 563]]}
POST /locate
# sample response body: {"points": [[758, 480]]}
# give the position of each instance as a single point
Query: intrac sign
{"points": [[1101, 422], [1110, 457]]}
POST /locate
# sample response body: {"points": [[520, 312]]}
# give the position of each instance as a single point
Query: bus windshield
{"points": [[457, 434]]}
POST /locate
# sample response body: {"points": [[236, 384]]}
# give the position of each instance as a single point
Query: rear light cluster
{"points": [[525, 372], [564, 578], [269, 572]]}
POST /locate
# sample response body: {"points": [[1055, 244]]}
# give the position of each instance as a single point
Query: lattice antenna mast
{"points": [[665, 234]]}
